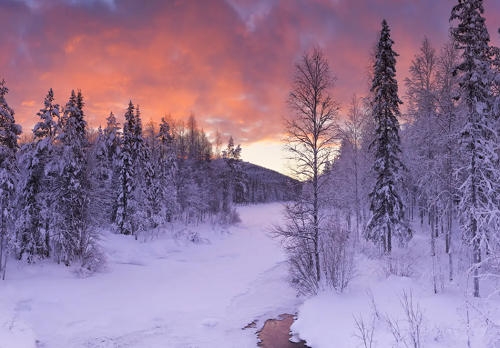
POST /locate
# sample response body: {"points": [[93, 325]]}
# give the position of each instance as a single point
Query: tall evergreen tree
{"points": [[143, 171], [167, 169], [113, 142], [32, 225], [386, 203], [9, 175], [125, 202], [73, 193], [139, 147], [80, 123], [235, 183], [478, 207], [112, 138], [47, 127]]}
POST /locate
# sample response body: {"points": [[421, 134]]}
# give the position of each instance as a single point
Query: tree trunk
{"points": [[448, 245], [449, 211], [432, 216], [476, 258], [316, 227], [476, 252], [389, 239]]}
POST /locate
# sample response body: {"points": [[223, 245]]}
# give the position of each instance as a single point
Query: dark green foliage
{"points": [[386, 203]]}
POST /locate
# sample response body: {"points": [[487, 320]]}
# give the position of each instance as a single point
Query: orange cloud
{"points": [[230, 62]]}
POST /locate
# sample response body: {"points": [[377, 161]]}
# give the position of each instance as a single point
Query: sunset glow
{"points": [[230, 62]]}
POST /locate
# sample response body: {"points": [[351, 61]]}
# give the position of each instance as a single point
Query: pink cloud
{"points": [[230, 62]]}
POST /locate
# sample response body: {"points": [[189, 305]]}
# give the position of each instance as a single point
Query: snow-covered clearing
{"points": [[449, 318], [159, 293]]}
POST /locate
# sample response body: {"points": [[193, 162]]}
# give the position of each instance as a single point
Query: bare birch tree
{"points": [[311, 129], [352, 132], [448, 122]]}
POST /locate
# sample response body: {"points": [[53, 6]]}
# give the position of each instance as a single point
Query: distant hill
{"points": [[266, 185]]}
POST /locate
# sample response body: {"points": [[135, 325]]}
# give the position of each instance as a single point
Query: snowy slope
{"points": [[159, 293], [449, 318]]}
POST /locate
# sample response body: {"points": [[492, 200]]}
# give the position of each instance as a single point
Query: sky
{"points": [[230, 62]]}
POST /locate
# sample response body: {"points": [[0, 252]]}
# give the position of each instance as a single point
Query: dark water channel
{"points": [[276, 332]]}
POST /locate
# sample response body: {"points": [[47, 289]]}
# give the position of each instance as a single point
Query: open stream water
{"points": [[276, 333]]}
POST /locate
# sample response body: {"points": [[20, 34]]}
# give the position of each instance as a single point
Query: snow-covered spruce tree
{"points": [[112, 139], [388, 218], [495, 54], [72, 230], [233, 182], [479, 178], [311, 130], [32, 225], [166, 170], [142, 168], [140, 147], [9, 175], [113, 142], [125, 202]]}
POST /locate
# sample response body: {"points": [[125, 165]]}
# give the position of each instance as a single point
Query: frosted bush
{"points": [[338, 257]]}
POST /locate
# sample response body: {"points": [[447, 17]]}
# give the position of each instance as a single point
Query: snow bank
{"points": [[334, 320]]}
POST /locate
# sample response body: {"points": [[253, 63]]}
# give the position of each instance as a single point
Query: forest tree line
{"points": [[66, 182]]}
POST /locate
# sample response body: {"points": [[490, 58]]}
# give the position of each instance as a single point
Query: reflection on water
{"points": [[276, 332]]}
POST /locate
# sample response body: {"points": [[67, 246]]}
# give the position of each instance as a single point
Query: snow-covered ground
{"points": [[159, 293], [168, 292], [449, 318]]}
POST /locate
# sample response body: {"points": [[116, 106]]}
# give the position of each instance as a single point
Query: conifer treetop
{"points": [[9, 130], [112, 127], [388, 219], [138, 122], [129, 126], [73, 122], [470, 34], [384, 83], [47, 127], [472, 38], [164, 134]]}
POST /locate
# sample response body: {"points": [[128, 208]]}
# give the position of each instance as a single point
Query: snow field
{"points": [[159, 293], [175, 293], [329, 319]]}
